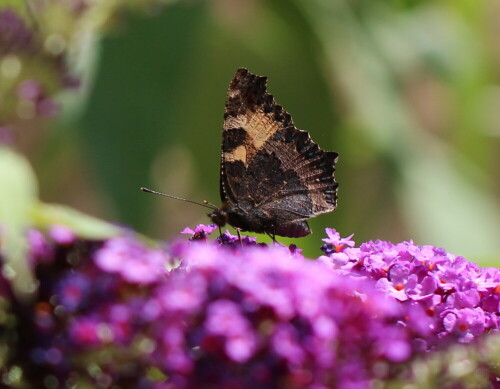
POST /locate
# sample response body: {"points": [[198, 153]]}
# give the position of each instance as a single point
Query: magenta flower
{"points": [[40, 249], [465, 324], [132, 260], [200, 232], [459, 299], [84, 331], [226, 319], [62, 235], [228, 239], [336, 241]]}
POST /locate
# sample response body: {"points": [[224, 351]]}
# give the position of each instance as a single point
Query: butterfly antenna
{"points": [[205, 203]]}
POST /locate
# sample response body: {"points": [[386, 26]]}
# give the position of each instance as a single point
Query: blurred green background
{"points": [[407, 92]]}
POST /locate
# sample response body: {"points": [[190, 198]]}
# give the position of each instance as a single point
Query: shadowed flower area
{"points": [[231, 313]]}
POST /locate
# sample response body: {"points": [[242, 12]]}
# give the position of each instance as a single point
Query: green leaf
{"points": [[84, 226], [17, 197]]}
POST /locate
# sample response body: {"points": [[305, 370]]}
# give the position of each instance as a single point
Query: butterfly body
{"points": [[257, 220], [273, 176]]}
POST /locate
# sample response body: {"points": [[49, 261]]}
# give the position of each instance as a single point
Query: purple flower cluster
{"points": [[31, 73], [202, 231], [262, 317], [14, 34], [235, 314], [446, 298], [132, 260], [89, 309]]}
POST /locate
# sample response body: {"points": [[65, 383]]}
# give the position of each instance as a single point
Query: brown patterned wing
{"points": [[306, 180], [251, 117], [273, 176]]}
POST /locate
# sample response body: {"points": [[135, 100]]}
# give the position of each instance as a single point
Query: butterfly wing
{"points": [[272, 174], [251, 117]]}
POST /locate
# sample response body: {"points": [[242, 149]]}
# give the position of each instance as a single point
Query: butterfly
{"points": [[273, 177]]}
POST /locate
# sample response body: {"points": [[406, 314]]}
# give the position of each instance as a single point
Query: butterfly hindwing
{"points": [[273, 176]]}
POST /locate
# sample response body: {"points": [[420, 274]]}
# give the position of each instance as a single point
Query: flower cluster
{"points": [[89, 311], [235, 314], [446, 298], [261, 317], [31, 72], [14, 34], [39, 42], [202, 231]]}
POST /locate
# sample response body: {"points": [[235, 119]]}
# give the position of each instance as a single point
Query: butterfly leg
{"points": [[272, 235], [239, 236]]}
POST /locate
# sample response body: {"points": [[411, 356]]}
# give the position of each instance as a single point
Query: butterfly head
{"points": [[219, 216]]}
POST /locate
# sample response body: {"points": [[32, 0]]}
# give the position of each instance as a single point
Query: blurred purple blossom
{"points": [[14, 34], [132, 260], [40, 249], [6, 135], [62, 235], [72, 291], [33, 74], [235, 313], [281, 320]]}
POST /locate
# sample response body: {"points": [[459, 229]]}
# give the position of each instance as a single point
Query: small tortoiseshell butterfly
{"points": [[273, 177]]}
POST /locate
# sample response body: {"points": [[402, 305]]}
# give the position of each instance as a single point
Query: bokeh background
{"points": [[407, 92]]}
